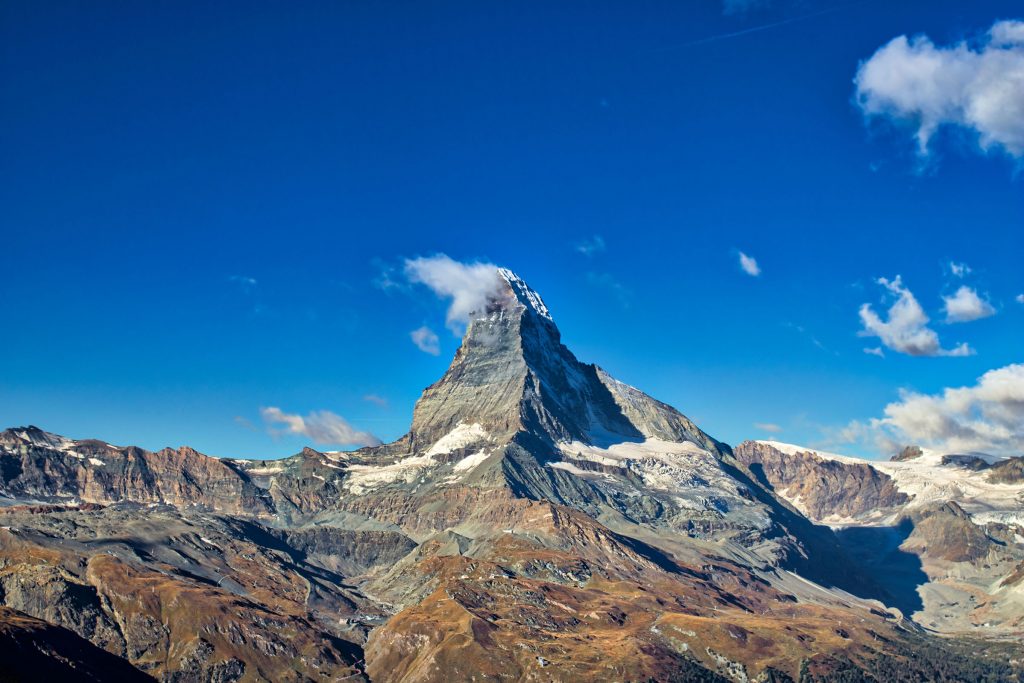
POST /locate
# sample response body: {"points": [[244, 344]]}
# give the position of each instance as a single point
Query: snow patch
{"points": [[97, 462], [363, 478], [263, 471], [463, 435], [471, 462]]}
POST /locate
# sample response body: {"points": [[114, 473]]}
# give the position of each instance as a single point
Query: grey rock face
{"points": [[826, 488]]}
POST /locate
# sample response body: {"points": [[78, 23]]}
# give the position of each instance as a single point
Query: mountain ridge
{"points": [[538, 519]]}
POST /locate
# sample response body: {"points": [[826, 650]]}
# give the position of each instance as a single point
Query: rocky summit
{"points": [[540, 521]]}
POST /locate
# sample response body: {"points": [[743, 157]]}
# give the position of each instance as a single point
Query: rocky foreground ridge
{"points": [[540, 521]]}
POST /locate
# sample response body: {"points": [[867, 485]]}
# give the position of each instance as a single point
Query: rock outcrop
{"points": [[822, 489]]}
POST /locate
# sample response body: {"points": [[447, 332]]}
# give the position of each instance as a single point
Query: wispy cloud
{"points": [[977, 89], [426, 340], [769, 427], [739, 6], [591, 246], [469, 286], [243, 281], [906, 328], [965, 305], [987, 416], [749, 265], [1019, 298], [245, 423], [387, 278], [875, 351], [322, 426], [959, 270], [376, 400]]}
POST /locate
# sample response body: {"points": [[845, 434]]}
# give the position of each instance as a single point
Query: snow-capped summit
{"points": [[524, 294]]}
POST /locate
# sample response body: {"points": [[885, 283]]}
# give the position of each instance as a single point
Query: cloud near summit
{"points": [[467, 285]]}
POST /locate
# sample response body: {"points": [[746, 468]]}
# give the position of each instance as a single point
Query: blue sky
{"points": [[199, 206]]}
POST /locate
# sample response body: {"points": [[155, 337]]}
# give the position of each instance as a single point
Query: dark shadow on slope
{"points": [[32, 650], [877, 550], [827, 562]]}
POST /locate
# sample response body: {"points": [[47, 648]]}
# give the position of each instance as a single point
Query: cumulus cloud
{"points": [[965, 305], [426, 340], [468, 285], [906, 326], [978, 88], [749, 265], [768, 427], [322, 426], [959, 269], [591, 246], [986, 417]]}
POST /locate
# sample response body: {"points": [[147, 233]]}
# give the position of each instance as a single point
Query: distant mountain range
{"points": [[539, 521]]}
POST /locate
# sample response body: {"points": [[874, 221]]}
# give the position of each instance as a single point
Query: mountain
{"points": [[539, 521], [955, 520]]}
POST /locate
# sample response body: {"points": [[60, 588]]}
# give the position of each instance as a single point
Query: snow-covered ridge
{"points": [[526, 296], [928, 481], [792, 449]]}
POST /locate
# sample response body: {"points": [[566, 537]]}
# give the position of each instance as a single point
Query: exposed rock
{"points": [[1008, 471], [908, 453], [825, 489]]}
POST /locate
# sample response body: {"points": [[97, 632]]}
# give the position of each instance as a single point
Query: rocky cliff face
{"points": [[823, 489], [35, 465]]}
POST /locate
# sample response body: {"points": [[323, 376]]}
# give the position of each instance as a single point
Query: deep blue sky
{"points": [[154, 155]]}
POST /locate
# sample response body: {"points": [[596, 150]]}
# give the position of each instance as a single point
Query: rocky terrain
{"points": [[944, 530], [539, 521]]}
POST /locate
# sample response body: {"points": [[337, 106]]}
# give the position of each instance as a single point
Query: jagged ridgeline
{"points": [[539, 521]]}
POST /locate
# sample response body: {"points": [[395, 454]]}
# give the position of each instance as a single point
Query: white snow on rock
{"points": [[930, 482], [683, 472], [470, 462], [363, 478], [463, 435], [97, 462], [524, 293], [263, 471]]}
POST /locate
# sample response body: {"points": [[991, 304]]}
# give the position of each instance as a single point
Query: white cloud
{"points": [[906, 328], [875, 351], [376, 400], [749, 265], [591, 246], [959, 269], [978, 88], [768, 427], [469, 285], [965, 305], [1019, 298], [426, 340], [322, 426], [986, 417]]}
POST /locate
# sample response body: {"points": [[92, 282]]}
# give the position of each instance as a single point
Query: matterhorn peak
{"points": [[524, 294]]}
